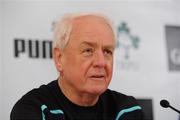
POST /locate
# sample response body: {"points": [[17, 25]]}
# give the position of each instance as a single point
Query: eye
{"points": [[88, 51], [108, 52]]}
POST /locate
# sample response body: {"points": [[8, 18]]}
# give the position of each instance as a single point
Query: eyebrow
{"points": [[88, 43], [94, 44]]}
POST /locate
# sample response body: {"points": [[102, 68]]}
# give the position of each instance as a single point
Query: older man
{"points": [[83, 54]]}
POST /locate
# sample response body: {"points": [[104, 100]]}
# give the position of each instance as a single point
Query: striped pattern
{"points": [[127, 111]]}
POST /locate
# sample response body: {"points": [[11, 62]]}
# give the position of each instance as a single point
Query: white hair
{"points": [[63, 27]]}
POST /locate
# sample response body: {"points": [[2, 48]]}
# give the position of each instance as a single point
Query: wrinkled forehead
{"points": [[94, 25]]}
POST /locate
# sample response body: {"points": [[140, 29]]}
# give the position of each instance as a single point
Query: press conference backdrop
{"points": [[141, 59], [1, 58]]}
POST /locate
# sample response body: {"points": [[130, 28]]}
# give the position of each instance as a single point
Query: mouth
{"points": [[98, 77]]}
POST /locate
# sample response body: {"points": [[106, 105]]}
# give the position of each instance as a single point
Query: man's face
{"points": [[87, 60]]}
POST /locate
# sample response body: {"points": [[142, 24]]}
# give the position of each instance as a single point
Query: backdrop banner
{"points": [[1, 58], [141, 66]]}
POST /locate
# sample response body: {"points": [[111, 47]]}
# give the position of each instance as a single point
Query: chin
{"points": [[97, 90]]}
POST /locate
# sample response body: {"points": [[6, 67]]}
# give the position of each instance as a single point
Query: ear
{"points": [[57, 57]]}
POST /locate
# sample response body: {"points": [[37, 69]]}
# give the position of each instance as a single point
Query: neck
{"points": [[76, 97]]}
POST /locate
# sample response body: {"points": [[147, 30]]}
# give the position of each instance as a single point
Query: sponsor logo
{"points": [[127, 44], [33, 48], [173, 47]]}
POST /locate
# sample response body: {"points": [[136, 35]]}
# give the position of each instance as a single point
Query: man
{"points": [[83, 55]]}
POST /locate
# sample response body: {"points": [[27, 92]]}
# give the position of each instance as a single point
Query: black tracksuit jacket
{"points": [[48, 103]]}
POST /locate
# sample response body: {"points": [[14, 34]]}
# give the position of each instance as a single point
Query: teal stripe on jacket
{"points": [[43, 107], [131, 109]]}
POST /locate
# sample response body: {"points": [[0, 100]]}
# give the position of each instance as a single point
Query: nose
{"points": [[99, 59]]}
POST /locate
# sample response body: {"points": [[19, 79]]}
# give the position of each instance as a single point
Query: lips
{"points": [[97, 77]]}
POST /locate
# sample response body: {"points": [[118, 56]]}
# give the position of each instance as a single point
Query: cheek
{"points": [[84, 66], [77, 66], [69, 65], [109, 71], [110, 66]]}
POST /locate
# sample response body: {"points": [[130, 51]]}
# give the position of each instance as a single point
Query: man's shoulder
{"points": [[30, 103], [118, 100], [119, 97], [44, 91], [114, 93], [120, 105]]}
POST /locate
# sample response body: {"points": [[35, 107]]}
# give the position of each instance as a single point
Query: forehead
{"points": [[91, 22], [92, 28]]}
